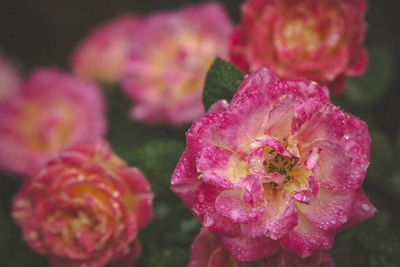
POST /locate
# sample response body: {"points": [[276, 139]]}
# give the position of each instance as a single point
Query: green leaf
{"points": [[222, 81]]}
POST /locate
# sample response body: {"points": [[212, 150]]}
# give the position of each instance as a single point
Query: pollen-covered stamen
{"points": [[281, 165]]}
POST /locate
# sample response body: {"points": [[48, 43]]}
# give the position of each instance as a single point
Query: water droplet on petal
{"points": [[365, 207]]}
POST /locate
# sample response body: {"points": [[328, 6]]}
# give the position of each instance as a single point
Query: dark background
{"points": [[39, 33]]}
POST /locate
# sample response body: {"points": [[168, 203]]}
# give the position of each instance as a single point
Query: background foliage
{"points": [[43, 33]]}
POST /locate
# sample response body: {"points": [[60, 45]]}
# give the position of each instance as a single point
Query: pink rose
{"points": [[169, 60], [9, 76], [50, 111], [207, 250], [280, 166], [85, 208], [319, 40], [103, 54]]}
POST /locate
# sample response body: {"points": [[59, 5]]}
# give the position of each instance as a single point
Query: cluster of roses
{"points": [[272, 176]]}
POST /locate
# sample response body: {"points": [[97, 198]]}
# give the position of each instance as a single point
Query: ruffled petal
{"points": [[280, 119], [205, 211], [243, 121], [184, 182], [221, 166], [308, 194], [249, 249], [361, 210], [230, 204], [334, 169], [304, 239], [280, 217], [330, 210]]}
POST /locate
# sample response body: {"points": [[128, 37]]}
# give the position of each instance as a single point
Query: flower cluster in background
{"points": [[84, 208], [104, 53], [317, 40], [273, 168], [49, 111]]}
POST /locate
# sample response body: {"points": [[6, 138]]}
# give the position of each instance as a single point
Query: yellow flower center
{"points": [[281, 165], [46, 126]]}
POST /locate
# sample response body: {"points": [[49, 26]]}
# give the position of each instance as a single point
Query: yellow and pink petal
{"points": [[50, 111], [169, 60]]}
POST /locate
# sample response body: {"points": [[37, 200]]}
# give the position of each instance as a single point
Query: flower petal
{"points": [[304, 239], [230, 204], [184, 180], [205, 211], [249, 249], [221, 166], [243, 120], [335, 170], [280, 217], [361, 210], [309, 194], [329, 210]]}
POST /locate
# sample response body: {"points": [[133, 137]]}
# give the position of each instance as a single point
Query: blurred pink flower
{"points": [[85, 208], [50, 111], [9, 76], [103, 54], [208, 250], [319, 40], [280, 166], [169, 60]]}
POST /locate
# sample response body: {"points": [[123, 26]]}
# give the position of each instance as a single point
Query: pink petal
{"points": [[329, 210], [256, 81], [230, 204], [280, 119], [203, 247], [253, 190], [216, 164], [280, 217], [202, 133], [304, 239], [246, 118], [273, 143], [326, 123], [218, 106], [335, 170], [204, 209], [184, 180], [361, 210], [309, 194], [249, 249]]}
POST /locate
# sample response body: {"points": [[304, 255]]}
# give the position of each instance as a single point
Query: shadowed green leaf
{"points": [[222, 81]]}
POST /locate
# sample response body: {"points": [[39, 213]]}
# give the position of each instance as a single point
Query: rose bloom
{"points": [[280, 166], [50, 111], [85, 208], [207, 250], [319, 40], [103, 54], [9, 76], [168, 63]]}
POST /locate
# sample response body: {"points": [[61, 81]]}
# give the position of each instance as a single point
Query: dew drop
{"points": [[208, 221], [365, 207]]}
